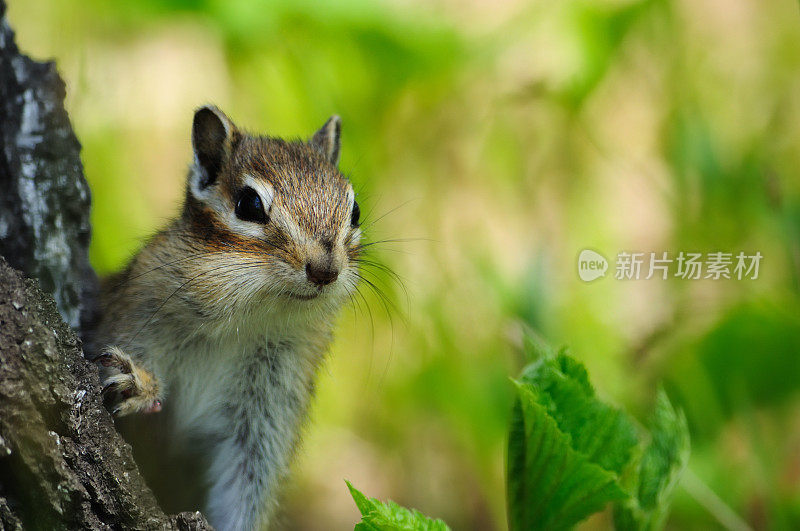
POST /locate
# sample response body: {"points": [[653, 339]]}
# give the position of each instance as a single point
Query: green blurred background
{"points": [[495, 139]]}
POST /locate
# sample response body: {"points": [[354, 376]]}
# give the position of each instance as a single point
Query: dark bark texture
{"points": [[62, 463], [44, 203]]}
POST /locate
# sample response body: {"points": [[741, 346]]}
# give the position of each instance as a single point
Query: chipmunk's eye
{"points": [[355, 215], [249, 206]]}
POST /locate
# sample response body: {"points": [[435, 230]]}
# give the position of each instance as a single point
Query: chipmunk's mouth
{"points": [[303, 296]]}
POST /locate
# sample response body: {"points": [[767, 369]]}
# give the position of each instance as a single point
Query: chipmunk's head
{"points": [[275, 220]]}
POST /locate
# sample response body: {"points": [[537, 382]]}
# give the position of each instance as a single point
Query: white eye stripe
{"points": [[267, 194], [282, 219], [263, 189], [248, 228]]}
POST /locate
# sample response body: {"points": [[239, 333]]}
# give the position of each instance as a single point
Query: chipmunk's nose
{"points": [[321, 274]]}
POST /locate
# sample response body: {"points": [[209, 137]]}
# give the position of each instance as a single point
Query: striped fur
{"points": [[219, 310]]}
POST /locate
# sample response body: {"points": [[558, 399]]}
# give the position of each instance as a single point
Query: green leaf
{"points": [[379, 516], [659, 470], [603, 434], [550, 484]]}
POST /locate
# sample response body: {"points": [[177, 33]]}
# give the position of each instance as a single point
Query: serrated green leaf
{"points": [[362, 502], [379, 516], [550, 484], [659, 470], [604, 434], [537, 349], [667, 455], [574, 370]]}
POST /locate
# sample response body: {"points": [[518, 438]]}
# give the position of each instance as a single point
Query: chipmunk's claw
{"points": [[109, 388], [135, 390], [115, 358]]}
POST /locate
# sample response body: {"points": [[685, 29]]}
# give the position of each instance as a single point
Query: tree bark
{"points": [[45, 203], [62, 463]]}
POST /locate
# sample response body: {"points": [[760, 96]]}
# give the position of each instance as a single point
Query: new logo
{"points": [[591, 265]]}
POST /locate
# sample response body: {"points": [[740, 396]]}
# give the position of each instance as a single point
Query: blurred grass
{"points": [[500, 138]]}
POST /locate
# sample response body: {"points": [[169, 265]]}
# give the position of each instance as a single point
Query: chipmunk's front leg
{"points": [[242, 488], [131, 388], [246, 468], [262, 419]]}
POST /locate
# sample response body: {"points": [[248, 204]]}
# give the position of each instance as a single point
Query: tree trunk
{"points": [[62, 463]]}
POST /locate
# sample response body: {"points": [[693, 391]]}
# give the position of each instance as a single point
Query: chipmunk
{"points": [[222, 318]]}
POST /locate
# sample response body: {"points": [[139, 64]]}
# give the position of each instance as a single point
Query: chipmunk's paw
{"points": [[130, 388]]}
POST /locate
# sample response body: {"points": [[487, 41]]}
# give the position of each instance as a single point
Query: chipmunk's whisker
{"points": [[233, 268], [195, 256], [370, 223], [362, 246], [381, 267], [387, 303]]}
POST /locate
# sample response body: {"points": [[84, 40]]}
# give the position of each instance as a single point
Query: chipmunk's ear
{"points": [[212, 134], [326, 140]]}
